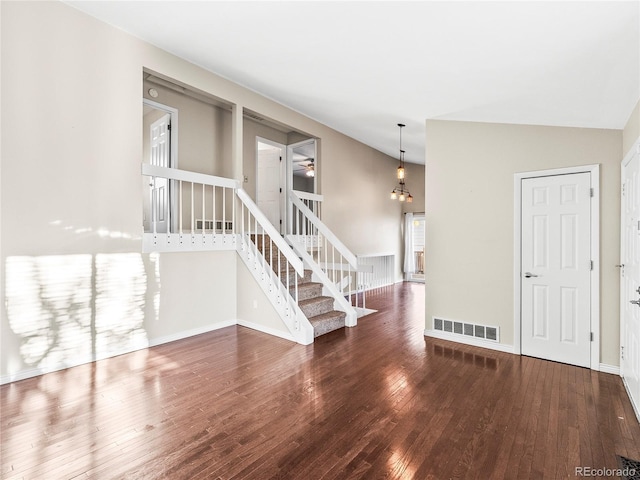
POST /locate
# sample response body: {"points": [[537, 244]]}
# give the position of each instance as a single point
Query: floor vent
{"points": [[468, 329]]}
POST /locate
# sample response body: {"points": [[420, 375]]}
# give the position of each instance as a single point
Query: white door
{"points": [[160, 132], [269, 188], [630, 277], [556, 268]]}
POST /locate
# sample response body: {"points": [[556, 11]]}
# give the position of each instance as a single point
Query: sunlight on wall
{"points": [[69, 309]]}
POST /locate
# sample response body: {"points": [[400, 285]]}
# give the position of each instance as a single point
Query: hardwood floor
{"points": [[376, 401]]}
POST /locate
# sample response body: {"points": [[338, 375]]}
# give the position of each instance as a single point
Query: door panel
{"points": [[269, 182], [556, 290], [160, 132], [630, 277]]}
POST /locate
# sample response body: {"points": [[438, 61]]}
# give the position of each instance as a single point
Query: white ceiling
{"points": [[361, 67]]}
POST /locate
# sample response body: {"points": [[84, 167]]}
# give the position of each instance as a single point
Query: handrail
{"points": [[315, 197], [324, 230], [271, 231], [187, 176]]}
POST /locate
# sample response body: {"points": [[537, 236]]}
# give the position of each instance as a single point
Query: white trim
{"points": [[633, 151], [612, 369], [288, 220], [187, 176], [35, 372], [174, 127], [173, 156], [308, 196], [191, 333], [594, 170], [474, 342], [633, 405], [268, 330]]}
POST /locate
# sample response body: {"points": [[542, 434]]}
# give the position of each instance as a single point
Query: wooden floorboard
{"points": [[376, 401]]}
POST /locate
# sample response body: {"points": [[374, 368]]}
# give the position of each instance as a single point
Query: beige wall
{"points": [[71, 153], [415, 183], [203, 139], [631, 131], [469, 185]]}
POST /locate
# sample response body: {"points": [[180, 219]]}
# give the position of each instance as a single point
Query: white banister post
{"points": [[180, 206], [192, 208]]}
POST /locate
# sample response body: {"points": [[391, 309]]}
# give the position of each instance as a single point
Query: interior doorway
{"points": [[556, 265], [270, 175], [160, 148], [630, 276], [302, 159]]}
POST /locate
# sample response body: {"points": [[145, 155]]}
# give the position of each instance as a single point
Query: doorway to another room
{"points": [[556, 265], [414, 247], [270, 175]]}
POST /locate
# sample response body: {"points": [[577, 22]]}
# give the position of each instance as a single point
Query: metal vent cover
{"points": [[467, 329]]}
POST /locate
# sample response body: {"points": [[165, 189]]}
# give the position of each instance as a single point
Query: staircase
{"points": [[318, 308]]}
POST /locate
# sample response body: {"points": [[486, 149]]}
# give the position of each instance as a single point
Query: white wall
{"points": [[71, 190], [631, 131], [469, 219]]}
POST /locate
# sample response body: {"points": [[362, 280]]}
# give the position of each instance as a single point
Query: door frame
{"points": [[174, 127], [282, 177], [173, 158], [635, 150], [594, 170], [289, 177]]}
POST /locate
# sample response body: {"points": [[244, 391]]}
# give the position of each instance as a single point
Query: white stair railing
{"points": [[327, 256], [313, 201], [274, 265], [205, 212]]}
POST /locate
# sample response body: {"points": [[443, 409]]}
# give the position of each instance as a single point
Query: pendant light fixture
{"points": [[400, 192]]}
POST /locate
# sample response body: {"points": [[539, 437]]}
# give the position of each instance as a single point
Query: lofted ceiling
{"points": [[361, 67]]}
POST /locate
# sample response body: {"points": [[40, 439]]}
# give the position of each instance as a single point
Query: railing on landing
{"points": [[204, 212], [188, 209], [327, 256]]}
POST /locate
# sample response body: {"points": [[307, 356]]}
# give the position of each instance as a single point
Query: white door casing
{"points": [[556, 272], [630, 276], [269, 181], [310, 148], [160, 142]]}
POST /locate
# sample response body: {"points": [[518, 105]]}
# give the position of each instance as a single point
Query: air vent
{"points": [[254, 116], [208, 225], [467, 329]]}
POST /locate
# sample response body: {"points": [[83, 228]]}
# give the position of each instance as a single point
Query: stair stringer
{"points": [[286, 306], [328, 287]]}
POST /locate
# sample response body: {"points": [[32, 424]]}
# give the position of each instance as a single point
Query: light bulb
{"points": [[393, 195], [400, 172], [401, 197]]}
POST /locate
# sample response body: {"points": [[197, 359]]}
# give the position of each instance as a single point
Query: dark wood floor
{"points": [[376, 401]]}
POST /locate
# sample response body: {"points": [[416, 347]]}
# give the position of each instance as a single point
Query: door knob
{"points": [[635, 302], [529, 274]]}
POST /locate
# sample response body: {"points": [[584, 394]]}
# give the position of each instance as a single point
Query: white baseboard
{"points": [[35, 372], [612, 369], [475, 342], [268, 330], [190, 333]]}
